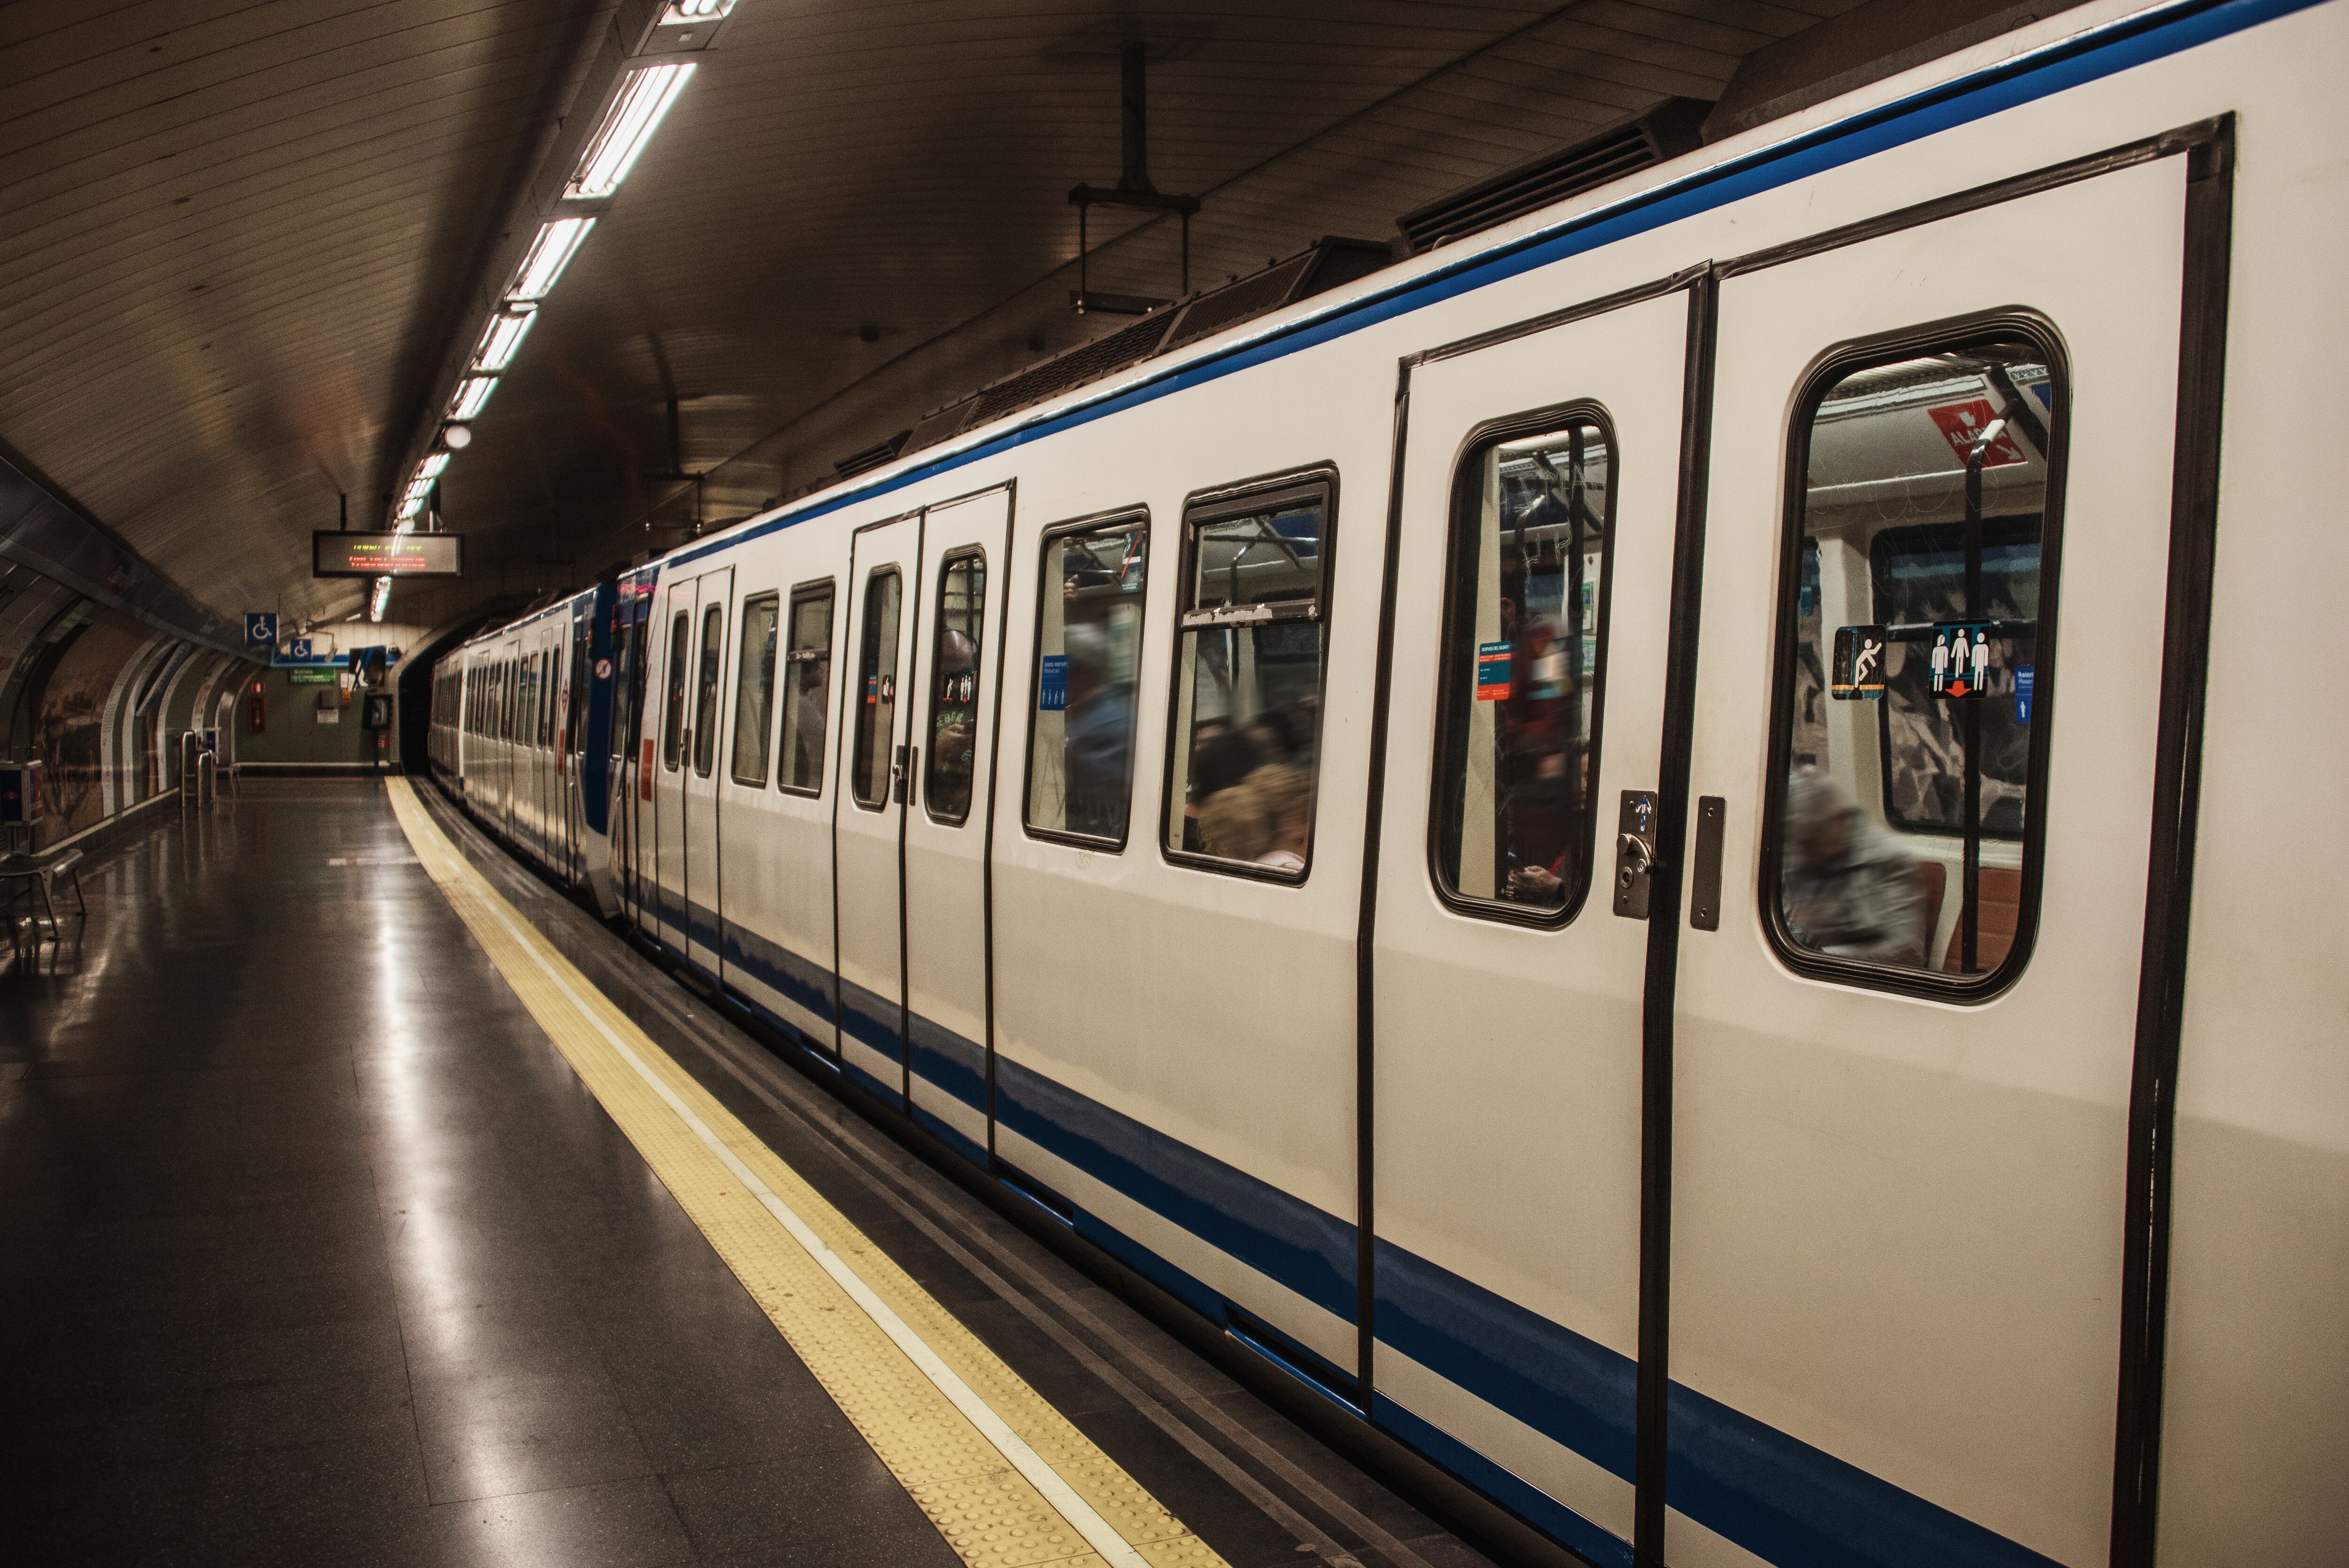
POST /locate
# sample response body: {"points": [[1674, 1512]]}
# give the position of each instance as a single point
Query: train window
{"points": [[807, 699], [754, 690], [1247, 698], [1517, 725], [705, 704], [680, 652], [1088, 656], [1914, 672], [953, 689], [876, 688], [547, 691]]}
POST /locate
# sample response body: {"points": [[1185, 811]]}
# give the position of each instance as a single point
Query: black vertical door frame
{"points": [[910, 702], [2169, 871], [994, 791], [1651, 1441]]}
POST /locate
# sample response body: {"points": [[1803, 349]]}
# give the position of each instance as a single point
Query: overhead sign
{"points": [[314, 675], [261, 629], [334, 553], [1962, 424]]}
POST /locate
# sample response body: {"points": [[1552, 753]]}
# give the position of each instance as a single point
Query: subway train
{"points": [[1681, 854]]}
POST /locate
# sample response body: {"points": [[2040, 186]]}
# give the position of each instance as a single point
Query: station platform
{"points": [[364, 1200]]}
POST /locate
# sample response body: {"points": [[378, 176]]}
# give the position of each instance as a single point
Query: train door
{"points": [[674, 632], [869, 811], [1539, 486], [1902, 1064], [713, 606], [951, 715]]}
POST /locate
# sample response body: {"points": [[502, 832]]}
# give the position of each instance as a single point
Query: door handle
{"points": [[1635, 852], [900, 770]]}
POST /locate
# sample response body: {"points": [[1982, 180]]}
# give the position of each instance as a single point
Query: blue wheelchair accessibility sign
{"points": [[261, 629]]}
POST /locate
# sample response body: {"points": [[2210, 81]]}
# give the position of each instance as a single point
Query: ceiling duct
{"points": [[1324, 264], [1664, 132]]}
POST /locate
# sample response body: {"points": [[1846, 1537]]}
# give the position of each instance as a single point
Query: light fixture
{"points": [[696, 11], [420, 490], [503, 337], [549, 253], [410, 506], [472, 393], [457, 438], [381, 597], [430, 468], [636, 113]]}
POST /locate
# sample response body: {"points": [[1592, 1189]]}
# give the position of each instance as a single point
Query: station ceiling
{"points": [[238, 240]]}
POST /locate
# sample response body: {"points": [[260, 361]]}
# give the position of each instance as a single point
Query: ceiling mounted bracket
{"points": [[1133, 189]]}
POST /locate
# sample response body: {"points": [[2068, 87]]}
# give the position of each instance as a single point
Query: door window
{"points": [[1516, 742], [680, 653], [754, 690], [1088, 656], [705, 705], [953, 689], [1247, 696], [876, 688], [1914, 678], [807, 703]]}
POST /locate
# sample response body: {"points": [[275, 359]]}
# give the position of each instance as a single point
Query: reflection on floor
{"points": [[315, 1250]]}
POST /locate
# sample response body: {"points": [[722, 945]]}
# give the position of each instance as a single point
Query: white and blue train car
{"points": [[520, 730], [1515, 835]]}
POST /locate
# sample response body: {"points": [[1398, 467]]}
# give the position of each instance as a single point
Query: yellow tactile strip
{"points": [[1004, 1476]]}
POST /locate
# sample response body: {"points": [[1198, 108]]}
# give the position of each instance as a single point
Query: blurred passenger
{"points": [[1099, 737], [1847, 888], [808, 723], [958, 702], [1251, 808]]}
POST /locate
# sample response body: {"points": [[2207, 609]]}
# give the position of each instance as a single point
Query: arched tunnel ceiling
{"points": [[236, 240]]}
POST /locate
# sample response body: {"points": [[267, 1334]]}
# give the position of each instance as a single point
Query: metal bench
{"points": [[29, 873]]}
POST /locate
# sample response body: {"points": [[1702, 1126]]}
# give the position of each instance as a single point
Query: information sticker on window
{"points": [[1052, 684], [1859, 674], [1493, 666], [1959, 659]]}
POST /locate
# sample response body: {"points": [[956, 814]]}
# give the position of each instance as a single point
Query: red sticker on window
{"points": [[1962, 425]]}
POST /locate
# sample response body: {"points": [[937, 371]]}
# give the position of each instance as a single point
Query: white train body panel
{"points": [[1895, 1221]]}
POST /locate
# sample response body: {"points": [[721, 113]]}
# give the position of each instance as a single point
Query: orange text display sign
{"points": [[334, 553]]}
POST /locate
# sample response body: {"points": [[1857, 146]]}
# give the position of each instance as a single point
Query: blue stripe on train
{"points": [[1768, 1491]]}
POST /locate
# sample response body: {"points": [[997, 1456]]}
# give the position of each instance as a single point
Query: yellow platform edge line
{"points": [[1007, 1481]]}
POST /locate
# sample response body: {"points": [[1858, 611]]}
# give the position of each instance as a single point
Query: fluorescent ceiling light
{"points": [[549, 253], [420, 490], [411, 505], [472, 393], [636, 113], [382, 597], [503, 337], [430, 468], [696, 11]]}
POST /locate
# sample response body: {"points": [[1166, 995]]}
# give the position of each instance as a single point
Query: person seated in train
{"points": [[1846, 886], [1099, 735]]}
